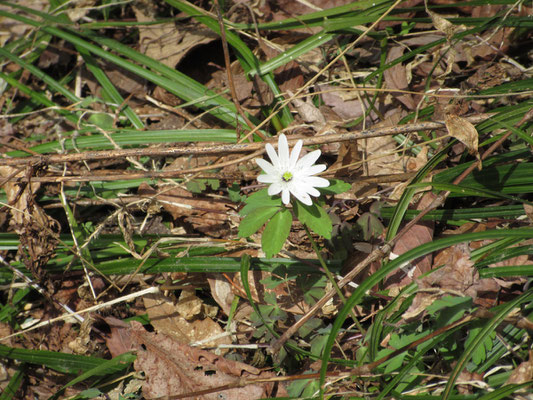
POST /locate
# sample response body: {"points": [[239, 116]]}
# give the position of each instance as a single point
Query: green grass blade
{"points": [[109, 88], [61, 362], [489, 327], [391, 266], [14, 384], [409, 192]]}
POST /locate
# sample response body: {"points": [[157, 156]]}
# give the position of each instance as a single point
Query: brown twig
{"points": [[225, 148]]}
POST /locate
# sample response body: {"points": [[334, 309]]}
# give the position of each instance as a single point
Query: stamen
{"points": [[287, 176]]}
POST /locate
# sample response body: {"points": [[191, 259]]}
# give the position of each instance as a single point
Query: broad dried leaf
{"points": [[419, 234], [465, 132], [523, 373], [206, 215], [529, 212], [174, 369], [166, 317], [396, 78], [165, 43]]}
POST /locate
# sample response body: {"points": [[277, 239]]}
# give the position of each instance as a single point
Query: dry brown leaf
{"points": [[442, 24], [396, 78], [208, 216], [37, 230], [522, 374], [529, 212], [173, 369], [166, 317], [419, 234], [119, 341], [222, 292], [465, 132], [165, 43]]}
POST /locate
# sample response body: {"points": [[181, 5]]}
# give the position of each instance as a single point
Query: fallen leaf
{"points": [[521, 374], [166, 317], [207, 215], [419, 234], [529, 212], [396, 78], [173, 369], [442, 24], [465, 132], [163, 42]]}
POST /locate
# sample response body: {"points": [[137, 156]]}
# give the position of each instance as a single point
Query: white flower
{"points": [[289, 175]]}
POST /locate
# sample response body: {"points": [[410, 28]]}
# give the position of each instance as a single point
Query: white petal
{"points": [[264, 178], [308, 160], [316, 181], [295, 154], [312, 191], [266, 166], [273, 155], [283, 151], [314, 169], [285, 196], [274, 189], [302, 196]]}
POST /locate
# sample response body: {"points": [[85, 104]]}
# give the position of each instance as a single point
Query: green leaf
{"points": [[276, 232], [451, 309], [315, 217], [260, 198], [336, 186], [214, 183], [196, 186], [101, 120], [255, 220], [234, 192]]}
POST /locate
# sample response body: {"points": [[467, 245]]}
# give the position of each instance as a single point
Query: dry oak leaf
{"points": [[173, 369]]}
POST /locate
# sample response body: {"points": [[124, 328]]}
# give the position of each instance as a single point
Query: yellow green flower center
{"points": [[287, 176]]}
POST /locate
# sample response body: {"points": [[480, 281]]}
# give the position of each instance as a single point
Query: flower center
{"points": [[287, 176]]}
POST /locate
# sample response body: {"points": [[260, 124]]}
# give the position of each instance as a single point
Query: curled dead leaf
{"points": [[465, 132]]}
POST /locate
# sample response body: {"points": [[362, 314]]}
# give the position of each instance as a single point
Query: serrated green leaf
{"points": [[276, 232], [196, 186], [234, 192], [315, 217], [260, 198], [214, 183], [255, 220]]}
